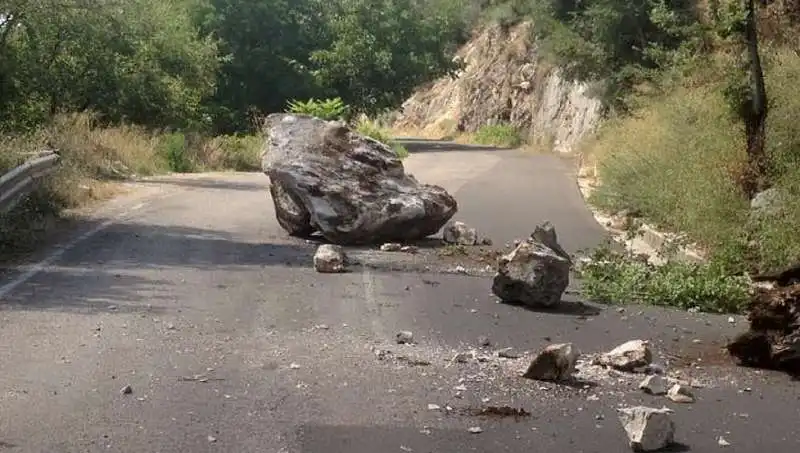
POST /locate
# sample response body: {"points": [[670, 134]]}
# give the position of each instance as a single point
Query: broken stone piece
{"points": [[508, 353], [350, 188], [654, 385], [127, 390], [680, 394], [409, 249], [391, 247], [628, 356], [484, 341], [459, 233], [534, 273], [329, 258], [648, 429], [404, 337], [556, 362], [461, 357]]}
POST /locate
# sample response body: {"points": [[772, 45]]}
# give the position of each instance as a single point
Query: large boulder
{"points": [[535, 273], [351, 188]]}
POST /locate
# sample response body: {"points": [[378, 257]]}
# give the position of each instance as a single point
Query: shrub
{"points": [[502, 135], [232, 152], [329, 109], [372, 129], [613, 277]]}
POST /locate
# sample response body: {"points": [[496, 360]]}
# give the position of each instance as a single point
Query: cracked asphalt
{"points": [[187, 291]]}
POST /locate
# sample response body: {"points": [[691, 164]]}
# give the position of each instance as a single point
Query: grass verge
{"points": [[676, 163], [95, 157], [500, 135]]}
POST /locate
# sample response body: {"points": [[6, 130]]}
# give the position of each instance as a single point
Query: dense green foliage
{"points": [[215, 64]]}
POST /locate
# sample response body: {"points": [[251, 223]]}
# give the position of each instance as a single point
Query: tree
{"points": [[755, 108], [136, 60]]}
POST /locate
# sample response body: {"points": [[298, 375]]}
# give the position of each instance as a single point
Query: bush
{"points": [[232, 152], [174, 148], [678, 161], [502, 135], [612, 277], [329, 109]]}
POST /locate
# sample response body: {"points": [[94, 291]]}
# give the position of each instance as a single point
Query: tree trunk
{"points": [[755, 114]]}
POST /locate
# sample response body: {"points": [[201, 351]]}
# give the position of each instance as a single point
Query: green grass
{"points": [[677, 162], [501, 135], [375, 131], [619, 278]]}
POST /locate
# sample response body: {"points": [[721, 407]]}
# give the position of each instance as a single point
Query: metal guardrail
{"points": [[22, 180]]}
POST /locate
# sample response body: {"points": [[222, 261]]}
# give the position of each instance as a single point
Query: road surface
{"points": [[187, 291]]}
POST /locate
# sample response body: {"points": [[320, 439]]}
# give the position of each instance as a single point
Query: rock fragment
{"points": [[535, 273], [404, 337], [680, 394], [127, 390], [329, 258], [391, 247], [648, 429], [556, 362], [475, 430], [627, 356], [654, 385], [484, 341], [459, 233]]}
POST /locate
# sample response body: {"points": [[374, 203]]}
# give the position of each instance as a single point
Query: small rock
{"points": [[434, 407], [391, 247], [556, 362], [731, 320], [294, 366], [508, 353], [722, 442], [654, 385], [409, 249], [628, 356], [459, 233], [460, 269], [475, 430], [648, 429], [484, 341], [404, 337], [127, 390], [329, 259], [680, 394], [486, 241], [461, 357], [212, 439]]}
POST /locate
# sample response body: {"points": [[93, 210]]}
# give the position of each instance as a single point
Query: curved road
{"points": [[187, 291]]}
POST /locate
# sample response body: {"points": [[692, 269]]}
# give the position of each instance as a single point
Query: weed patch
{"points": [[501, 135], [613, 277]]}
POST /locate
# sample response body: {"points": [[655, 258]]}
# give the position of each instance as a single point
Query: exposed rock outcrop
{"points": [[352, 189], [504, 79]]}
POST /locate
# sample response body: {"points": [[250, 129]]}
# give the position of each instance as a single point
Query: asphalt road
{"points": [[187, 291]]}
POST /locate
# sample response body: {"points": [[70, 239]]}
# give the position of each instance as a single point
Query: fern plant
{"points": [[328, 109]]}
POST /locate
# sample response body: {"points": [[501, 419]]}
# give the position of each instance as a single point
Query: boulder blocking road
{"points": [[182, 318]]}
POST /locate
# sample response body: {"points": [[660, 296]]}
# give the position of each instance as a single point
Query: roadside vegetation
{"points": [[501, 135], [701, 119]]}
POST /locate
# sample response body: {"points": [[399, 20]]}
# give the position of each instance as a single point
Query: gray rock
{"points": [[556, 362], [404, 337], [654, 385], [484, 341], [329, 258], [680, 394], [533, 274], [391, 247], [648, 429], [546, 234], [127, 390], [766, 201], [459, 233], [352, 189], [628, 356]]}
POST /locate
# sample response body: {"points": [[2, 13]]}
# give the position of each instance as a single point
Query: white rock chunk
{"points": [[556, 362], [459, 233], [648, 429], [329, 259], [680, 394], [628, 356]]}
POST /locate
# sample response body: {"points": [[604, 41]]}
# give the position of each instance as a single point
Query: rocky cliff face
{"points": [[504, 81]]}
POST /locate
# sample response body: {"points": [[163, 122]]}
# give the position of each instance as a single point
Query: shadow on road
{"points": [[204, 183], [435, 146]]}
